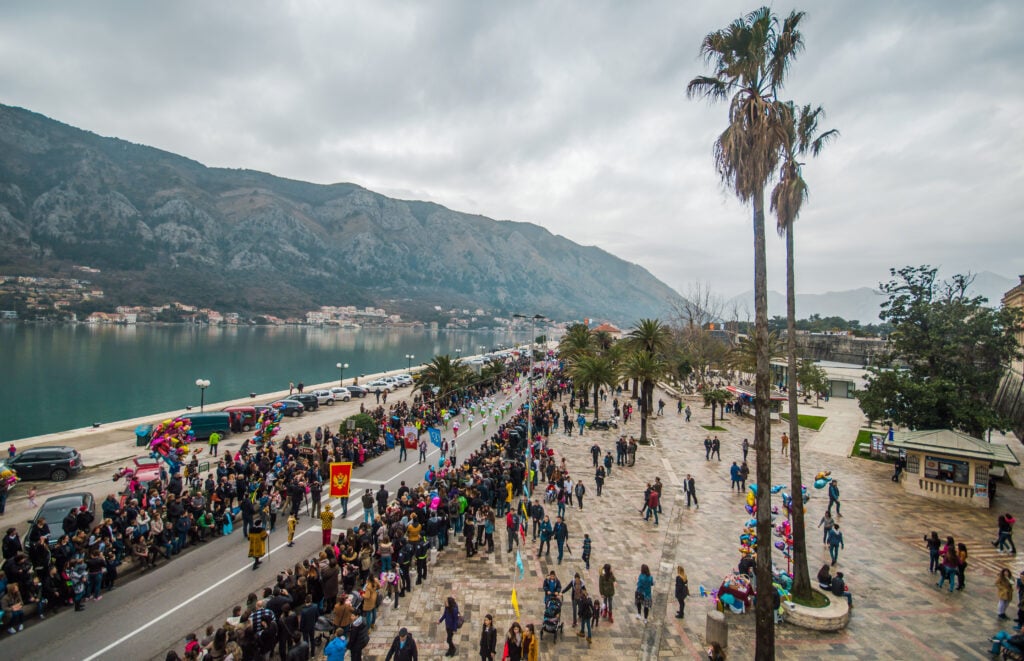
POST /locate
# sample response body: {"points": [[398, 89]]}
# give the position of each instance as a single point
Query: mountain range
{"points": [[162, 227], [861, 304]]}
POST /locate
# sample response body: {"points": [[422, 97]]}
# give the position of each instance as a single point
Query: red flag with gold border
{"points": [[341, 479]]}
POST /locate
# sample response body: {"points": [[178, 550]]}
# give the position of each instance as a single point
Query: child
{"points": [[595, 618], [292, 522], [586, 551], [32, 497]]}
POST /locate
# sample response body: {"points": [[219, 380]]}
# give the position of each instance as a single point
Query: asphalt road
{"points": [[152, 613]]}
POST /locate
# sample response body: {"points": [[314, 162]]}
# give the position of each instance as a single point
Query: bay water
{"points": [[59, 377]]}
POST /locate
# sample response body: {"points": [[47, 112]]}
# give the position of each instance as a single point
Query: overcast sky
{"points": [[571, 115]]}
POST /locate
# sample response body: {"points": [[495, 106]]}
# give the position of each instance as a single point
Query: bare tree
{"points": [[699, 306]]}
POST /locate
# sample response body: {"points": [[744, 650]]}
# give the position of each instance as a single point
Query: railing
{"points": [[946, 489]]}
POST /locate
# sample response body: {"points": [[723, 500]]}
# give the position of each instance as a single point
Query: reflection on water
{"points": [[63, 377]]}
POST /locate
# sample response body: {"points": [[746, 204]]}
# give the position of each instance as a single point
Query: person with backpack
{"points": [[585, 609], [452, 623], [833, 497], [512, 528], [561, 534]]}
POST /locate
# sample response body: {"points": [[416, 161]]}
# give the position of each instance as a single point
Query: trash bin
{"points": [[716, 629], [142, 433]]}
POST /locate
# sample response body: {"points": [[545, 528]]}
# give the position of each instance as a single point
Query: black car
{"points": [[356, 391], [56, 508], [308, 401], [55, 463]]}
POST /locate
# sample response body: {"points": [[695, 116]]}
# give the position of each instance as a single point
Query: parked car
{"points": [[243, 418], [341, 394], [56, 463], [356, 391], [205, 423], [308, 401], [324, 397], [57, 507], [380, 385], [289, 407], [403, 379]]}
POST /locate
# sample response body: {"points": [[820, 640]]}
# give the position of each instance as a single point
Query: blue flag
{"points": [[519, 564], [389, 440], [435, 436]]}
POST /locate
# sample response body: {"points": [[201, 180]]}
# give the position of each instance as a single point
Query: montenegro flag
{"points": [[341, 478]]}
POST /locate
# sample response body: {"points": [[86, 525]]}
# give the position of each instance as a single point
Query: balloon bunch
{"points": [[267, 427], [170, 441], [9, 477], [822, 479]]}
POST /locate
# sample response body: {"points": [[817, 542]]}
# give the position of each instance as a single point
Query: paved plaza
{"points": [[899, 613]]}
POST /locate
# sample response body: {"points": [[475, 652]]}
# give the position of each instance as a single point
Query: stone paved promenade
{"points": [[899, 612]]}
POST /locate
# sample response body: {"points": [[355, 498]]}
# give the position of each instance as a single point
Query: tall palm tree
{"points": [[592, 372], [653, 337], [646, 368], [750, 59], [788, 196], [446, 374], [577, 341]]}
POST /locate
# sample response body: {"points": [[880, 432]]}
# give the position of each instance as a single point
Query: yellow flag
{"points": [[515, 603]]}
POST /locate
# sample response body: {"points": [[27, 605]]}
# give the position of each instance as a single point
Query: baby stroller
{"points": [[324, 628], [552, 617]]}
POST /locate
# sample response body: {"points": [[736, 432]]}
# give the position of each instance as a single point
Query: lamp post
{"points": [[458, 354], [202, 384], [408, 361], [529, 381], [341, 368]]}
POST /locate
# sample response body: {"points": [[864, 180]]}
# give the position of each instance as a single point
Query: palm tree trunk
{"points": [[801, 573], [596, 387], [764, 618], [635, 383], [713, 407]]}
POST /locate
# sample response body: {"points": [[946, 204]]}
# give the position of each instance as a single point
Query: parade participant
{"points": [[257, 542]]}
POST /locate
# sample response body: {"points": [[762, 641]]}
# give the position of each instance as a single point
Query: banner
{"points": [[341, 479], [515, 603], [412, 437], [435, 436], [519, 564]]}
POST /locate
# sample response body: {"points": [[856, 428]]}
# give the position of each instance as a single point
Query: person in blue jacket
{"points": [[450, 617], [335, 650], [643, 597]]}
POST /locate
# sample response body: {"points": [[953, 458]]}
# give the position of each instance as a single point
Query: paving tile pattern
{"points": [[899, 612]]}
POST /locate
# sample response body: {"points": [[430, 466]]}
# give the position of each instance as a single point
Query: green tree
{"points": [[948, 351], [714, 398], [811, 378], [366, 424], [593, 371], [802, 138], [743, 356], [578, 341], [653, 337], [750, 59]]}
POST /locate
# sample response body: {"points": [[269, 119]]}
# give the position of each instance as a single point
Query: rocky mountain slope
{"points": [[163, 227]]}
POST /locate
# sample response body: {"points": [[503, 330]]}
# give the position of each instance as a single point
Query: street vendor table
{"points": [[739, 587]]}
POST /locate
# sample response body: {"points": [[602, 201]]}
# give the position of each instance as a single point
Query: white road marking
{"points": [[132, 634]]}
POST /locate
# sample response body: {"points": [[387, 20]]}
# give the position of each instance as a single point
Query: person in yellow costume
{"points": [[257, 542]]}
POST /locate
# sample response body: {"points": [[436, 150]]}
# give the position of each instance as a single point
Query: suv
{"points": [[55, 463], [308, 401], [289, 407], [381, 385], [324, 397], [341, 394], [403, 379]]}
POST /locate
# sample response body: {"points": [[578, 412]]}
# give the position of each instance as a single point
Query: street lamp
{"points": [[202, 384], [341, 368], [458, 354], [529, 382], [408, 360]]}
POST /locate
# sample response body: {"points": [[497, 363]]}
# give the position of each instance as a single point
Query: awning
{"points": [[953, 443], [746, 392]]}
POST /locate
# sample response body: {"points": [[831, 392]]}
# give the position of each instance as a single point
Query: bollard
{"points": [[717, 629]]}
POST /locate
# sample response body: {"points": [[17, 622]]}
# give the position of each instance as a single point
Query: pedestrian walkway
{"points": [[899, 612]]}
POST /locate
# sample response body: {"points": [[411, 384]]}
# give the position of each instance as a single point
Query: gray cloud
{"points": [[571, 115]]}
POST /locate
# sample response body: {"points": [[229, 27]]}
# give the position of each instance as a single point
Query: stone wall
{"points": [[840, 348]]}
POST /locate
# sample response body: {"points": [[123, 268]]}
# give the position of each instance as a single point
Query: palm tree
{"points": [[577, 341], [750, 59], [654, 338], [714, 398], [446, 374], [646, 368], [743, 356], [788, 196], [594, 371]]}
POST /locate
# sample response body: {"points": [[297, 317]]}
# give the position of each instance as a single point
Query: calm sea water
{"points": [[54, 378]]}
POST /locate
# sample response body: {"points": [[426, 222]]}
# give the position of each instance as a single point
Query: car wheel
{"points": [[295, 413], [246, 427], [330, 402], [347, 399], [59, 475]]}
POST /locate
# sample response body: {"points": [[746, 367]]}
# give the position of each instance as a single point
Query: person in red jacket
{"points": [[652, 505]]}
